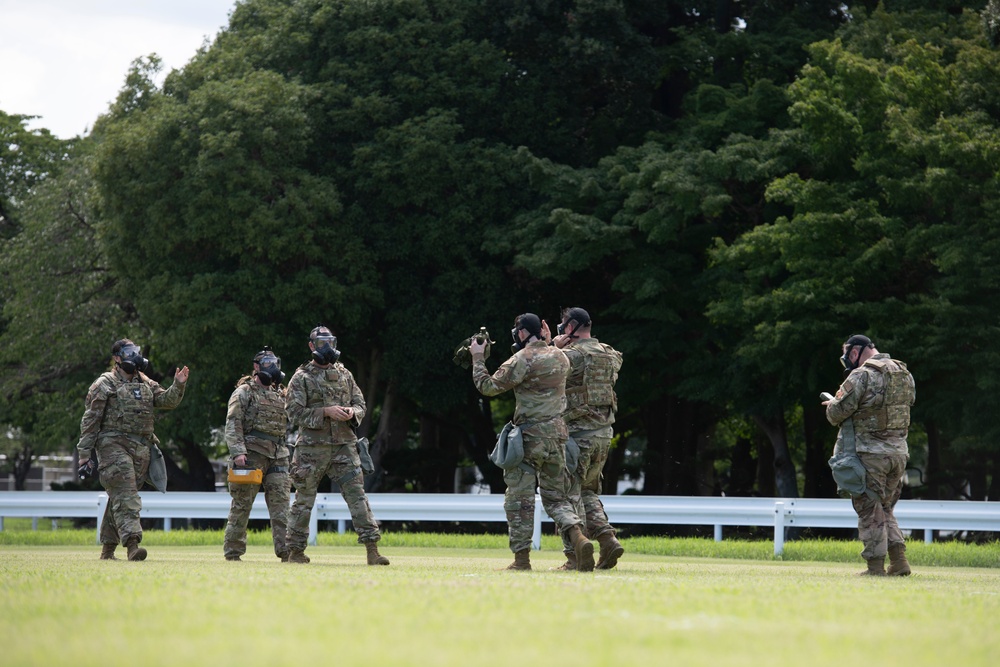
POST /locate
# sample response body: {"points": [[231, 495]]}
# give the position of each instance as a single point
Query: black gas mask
{"points": [[268, 368], [578, 317], [528, 322], [857, 340], [325, 350], [132, 359]]}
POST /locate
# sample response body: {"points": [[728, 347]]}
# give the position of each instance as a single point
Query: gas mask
{"points": [[578, 316], [325, 349], [528, 322], [846, 362], [269, 368], [132, 359], [518, 343], [857, 340]]}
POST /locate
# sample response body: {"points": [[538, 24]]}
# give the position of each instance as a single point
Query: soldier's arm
{"points": [[296, 399], [357, 403], [166, 399], [510, 374], [93, 415], [234, 422], [848, 398]]}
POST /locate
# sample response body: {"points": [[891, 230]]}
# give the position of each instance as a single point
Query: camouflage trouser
{"points": [[547, 455], [877, 525], [309, 464], [585, 485], [275, 495], [123, 468]]}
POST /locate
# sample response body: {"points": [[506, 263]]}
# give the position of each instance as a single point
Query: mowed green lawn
{"points": [[185, 605]]}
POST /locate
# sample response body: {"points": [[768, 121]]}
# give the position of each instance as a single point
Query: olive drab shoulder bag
{"points": [[848, 471], [509, 450]]}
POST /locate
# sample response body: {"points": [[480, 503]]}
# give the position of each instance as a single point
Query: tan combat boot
{"points": [[570, 564], [374, 557], [135, 552], [297, 556], [108, 551], [521, 560], [611, 551], [584, 549], [898, 565], [876, 568]]}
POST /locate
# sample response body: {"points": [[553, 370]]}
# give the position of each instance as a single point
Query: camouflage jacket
{"points": [[876, 397], [537, 374], [106, 412], [256, 419], [590, 385], [313, 388]]}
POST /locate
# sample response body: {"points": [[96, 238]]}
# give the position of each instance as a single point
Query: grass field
{"points": [[185, 605]]}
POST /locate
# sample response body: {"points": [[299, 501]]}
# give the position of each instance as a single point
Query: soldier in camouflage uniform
{"points": [[255, 434], [118, 423], [537, 374], [876, 397], [590, 411], [326, 405]]}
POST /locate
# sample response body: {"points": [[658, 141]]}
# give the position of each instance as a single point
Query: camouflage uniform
{"points": [[326, 447], [537, 374], [877, 397], [255, 427], [118, 422], [590, 412]]}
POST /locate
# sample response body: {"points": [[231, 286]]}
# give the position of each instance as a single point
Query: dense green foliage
{"points": [[730, 188]]}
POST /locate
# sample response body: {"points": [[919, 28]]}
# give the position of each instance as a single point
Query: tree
{"points": [[62, 308], [27, 158], [892, 218]]}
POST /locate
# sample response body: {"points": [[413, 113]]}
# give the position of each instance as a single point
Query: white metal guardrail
{"points": [[781, 513]]}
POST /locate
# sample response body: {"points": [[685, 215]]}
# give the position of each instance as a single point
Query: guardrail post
{"points": [[341, 526], [928, 536], [536, 535], [34, 523], [1, 524], [102, 504], [718, 533], [779, 528], [166, 524]]}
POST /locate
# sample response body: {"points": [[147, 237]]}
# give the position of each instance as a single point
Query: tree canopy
{"points": [[730, 188]]}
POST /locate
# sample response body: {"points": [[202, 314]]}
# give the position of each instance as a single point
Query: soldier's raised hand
{"points": [[181, 375]]}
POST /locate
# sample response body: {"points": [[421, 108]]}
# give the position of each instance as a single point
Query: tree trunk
{"points": [[21, 465], [706, 482], [481, 443], [742, 469], [784, 472], [672, 428], [819, 448], [199, 476], [933, 476], [993, 493], [765, 466], [390, 435], [368, 382]]}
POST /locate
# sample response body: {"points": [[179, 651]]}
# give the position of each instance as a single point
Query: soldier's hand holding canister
{"points": [[338, 413], [477, 346]]}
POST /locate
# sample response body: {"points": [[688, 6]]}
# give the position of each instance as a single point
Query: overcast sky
{"points": [[66, 60]]}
